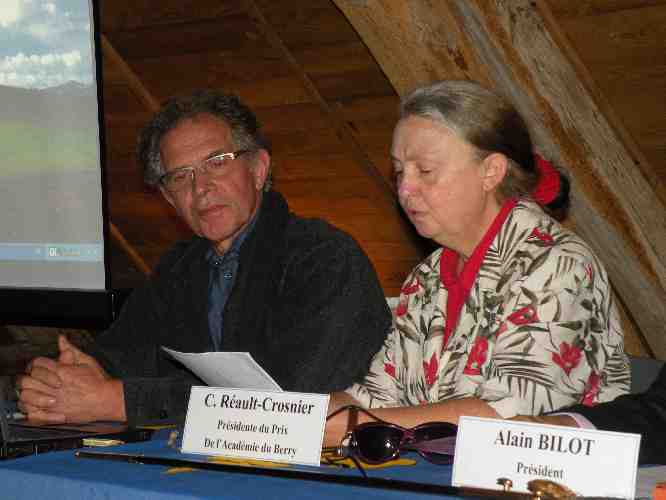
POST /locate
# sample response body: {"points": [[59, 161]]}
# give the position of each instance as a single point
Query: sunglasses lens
{"points": [[377, 443], [436, 441], [434, 430], [437, 458]]}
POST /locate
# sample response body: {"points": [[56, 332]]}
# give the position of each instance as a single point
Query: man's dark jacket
{"points": [[306, 305], [643, 414]]}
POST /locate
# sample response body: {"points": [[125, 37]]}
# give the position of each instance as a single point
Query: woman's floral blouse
{"points": [[538, 331]]}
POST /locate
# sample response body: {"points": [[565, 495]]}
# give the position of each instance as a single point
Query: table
{"points": [[60, 475]]}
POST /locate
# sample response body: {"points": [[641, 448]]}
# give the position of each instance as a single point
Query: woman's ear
{"points": [[494, 168]]}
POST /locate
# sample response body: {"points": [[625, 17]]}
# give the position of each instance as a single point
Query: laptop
{"points": [[20, 438]]}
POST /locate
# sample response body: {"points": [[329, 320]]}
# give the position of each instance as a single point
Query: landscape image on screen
{"points": [[51, 229]]}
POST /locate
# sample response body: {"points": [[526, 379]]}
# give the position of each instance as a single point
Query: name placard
{"points": [[589, 462], [263, 425]]}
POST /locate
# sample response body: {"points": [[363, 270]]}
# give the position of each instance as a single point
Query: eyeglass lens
{"points": [[181, 178]]}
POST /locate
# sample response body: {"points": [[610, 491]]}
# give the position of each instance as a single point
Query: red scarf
{"points": [[459, 285]]}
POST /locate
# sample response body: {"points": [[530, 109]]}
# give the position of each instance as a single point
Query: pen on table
{"points": [[118, 457]]}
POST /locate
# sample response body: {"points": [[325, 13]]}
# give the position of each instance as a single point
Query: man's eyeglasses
{"points": [[182, 178], [380, 441]]}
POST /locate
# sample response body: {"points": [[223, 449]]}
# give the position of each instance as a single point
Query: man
{"points": [[298, 294], [643, 413]]}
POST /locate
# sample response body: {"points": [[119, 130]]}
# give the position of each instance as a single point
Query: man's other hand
{"points": [[75, 388]]}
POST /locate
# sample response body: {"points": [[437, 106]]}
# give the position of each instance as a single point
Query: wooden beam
{"points": [[133, 81], [134, 256], [414, 42], [615, 209]]}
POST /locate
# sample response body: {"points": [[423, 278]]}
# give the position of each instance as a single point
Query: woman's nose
{"points": [[405, 186]]}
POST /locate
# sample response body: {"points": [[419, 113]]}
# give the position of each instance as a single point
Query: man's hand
{"points": [[75, 388], [564, 420], [38, 388]]}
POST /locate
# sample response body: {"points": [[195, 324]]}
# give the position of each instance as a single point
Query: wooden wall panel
{"points": [[295, 116], [185, 37], [119, 15], [221, 67], [313, 23], [371, 120], [343, 71], [625, 54]]}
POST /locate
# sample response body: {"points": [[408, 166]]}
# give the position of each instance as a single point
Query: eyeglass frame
{"points": [[348, 447], [231, 156]]}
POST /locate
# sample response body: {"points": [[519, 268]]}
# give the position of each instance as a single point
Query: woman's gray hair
{"points": [[245, 128], [485, 120]]}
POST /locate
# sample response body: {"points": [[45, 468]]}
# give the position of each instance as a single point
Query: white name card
{"points": [[263, 425], [589, 462]]}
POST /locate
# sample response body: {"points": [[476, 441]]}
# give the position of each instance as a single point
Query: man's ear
{"points": [[261, 165], [495, 167]]}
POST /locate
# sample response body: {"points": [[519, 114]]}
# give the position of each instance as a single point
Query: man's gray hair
{"points": [[245, 128]]}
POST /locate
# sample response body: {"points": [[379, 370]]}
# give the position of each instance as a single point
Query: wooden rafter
{"points": [[133, 81]]}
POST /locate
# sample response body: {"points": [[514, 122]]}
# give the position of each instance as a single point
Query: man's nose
{"points": [[200, 180]]}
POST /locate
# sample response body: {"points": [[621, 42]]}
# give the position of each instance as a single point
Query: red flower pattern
{"points": [[413, 287], [524, 315], [430, 370], [401, 309], [545, 237], [568, 358], [477, 357], [390, 369], [589, 271], [591, 389]]}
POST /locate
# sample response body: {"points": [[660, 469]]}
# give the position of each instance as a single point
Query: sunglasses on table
{"points": [[379, 442]]}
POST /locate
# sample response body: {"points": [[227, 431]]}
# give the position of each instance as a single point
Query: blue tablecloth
{"points": [[60, 475]]}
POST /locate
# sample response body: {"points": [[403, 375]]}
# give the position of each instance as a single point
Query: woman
{"points": [[513, 314]]}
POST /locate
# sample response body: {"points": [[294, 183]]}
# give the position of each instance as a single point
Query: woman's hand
{"points": [[564, 420], [336, 427]]}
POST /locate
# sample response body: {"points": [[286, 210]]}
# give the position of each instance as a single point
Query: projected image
{"points": [[50, 177]]}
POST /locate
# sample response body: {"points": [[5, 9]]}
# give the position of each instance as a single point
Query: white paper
{"points": [[226, 369]]}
